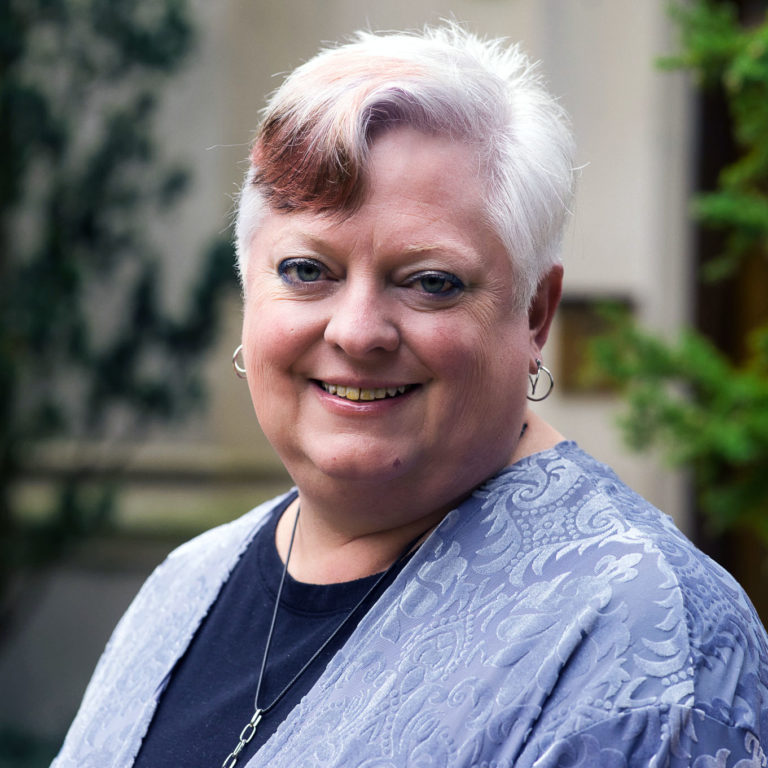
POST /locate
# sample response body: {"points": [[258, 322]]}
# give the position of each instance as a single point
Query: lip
{"points": [[363, 404], [364, 391]]}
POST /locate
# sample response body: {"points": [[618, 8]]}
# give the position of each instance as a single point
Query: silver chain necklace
{"points": [[249, 729]]}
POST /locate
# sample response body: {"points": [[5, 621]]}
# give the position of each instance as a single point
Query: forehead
{"points": [[422, 192], [426, 169]]}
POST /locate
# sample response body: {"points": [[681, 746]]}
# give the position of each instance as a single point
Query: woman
{"points": [[450, 583]]}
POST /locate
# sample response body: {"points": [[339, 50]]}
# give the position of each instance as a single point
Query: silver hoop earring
{"points": [[534, 379], [239, 369]]}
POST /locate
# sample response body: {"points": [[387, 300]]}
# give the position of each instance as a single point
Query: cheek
{"points": [[267, 338], [278, 336], [268, 360], [488, 355]]}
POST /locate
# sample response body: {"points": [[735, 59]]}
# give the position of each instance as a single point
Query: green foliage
{"points": [[710, 413], [89, 351], [722, 53]]}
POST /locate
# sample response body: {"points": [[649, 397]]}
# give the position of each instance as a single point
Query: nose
{"points": [[361, 321]]}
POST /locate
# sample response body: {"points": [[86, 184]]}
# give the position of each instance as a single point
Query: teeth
{"points": [[356, 393]]}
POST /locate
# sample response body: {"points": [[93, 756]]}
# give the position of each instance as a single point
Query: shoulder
{"points": [[198, 567], [231, 537], [149, 639], [191, 575], [664, 625]]}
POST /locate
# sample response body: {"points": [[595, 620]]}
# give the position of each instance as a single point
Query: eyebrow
{"points": [[417, 249]]}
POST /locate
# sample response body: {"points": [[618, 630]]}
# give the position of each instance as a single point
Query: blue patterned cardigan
{"points": [[555, 618]]}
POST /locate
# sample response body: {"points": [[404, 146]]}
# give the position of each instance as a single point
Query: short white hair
{"points": [[312, 147]]}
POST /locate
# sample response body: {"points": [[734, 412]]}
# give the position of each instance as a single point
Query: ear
{"points": [[542, 310]]}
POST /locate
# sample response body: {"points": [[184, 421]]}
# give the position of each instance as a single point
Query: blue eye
{"points": [[295, 271], [438, 284]]}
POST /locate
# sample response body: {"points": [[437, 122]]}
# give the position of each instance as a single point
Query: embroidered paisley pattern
{"points": [[554, 619]]}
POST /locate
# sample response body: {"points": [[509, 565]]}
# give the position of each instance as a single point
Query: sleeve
{"points": [[657, 737]]}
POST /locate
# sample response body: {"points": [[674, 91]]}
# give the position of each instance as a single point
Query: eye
{"points": [[296, 271], [437, 284]]}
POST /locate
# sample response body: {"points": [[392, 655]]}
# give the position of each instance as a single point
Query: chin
{"points": [[354, 470], [361, 464]]}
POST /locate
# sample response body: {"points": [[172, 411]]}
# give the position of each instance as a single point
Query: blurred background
{"points": [[124, 127]]}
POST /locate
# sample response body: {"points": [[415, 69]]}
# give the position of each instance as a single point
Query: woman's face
{"points": [[384, 347]]}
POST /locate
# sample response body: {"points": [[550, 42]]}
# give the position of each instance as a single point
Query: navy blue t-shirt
{"points": [[210, 694]]}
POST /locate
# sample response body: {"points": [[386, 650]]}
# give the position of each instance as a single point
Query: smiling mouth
{"points": [[356, 393]]}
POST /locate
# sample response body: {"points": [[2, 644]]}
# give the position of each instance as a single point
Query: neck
{"points": [[328, 551], [539, 436], [349, 530]]}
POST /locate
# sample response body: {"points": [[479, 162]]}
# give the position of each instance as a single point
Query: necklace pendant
{"points": [[244, 739]]}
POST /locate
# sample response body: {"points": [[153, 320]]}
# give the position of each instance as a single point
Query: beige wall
{"points": [[627, 236]]}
